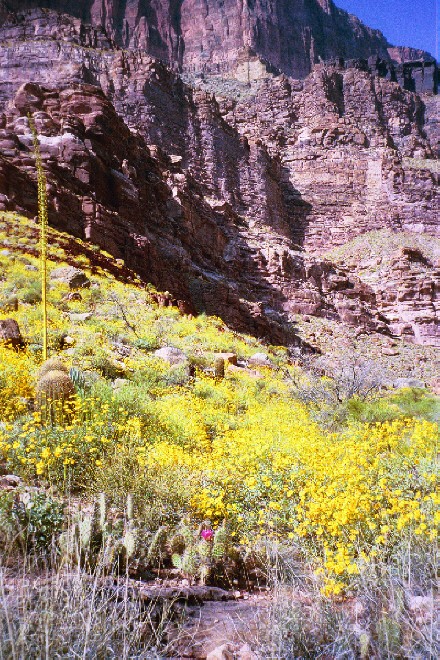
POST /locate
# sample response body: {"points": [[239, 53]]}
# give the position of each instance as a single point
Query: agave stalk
{"points": [[42, 217]]}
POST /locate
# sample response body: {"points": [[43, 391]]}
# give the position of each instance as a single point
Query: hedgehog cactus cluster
{"points": [[96, 536], [196, 554]]}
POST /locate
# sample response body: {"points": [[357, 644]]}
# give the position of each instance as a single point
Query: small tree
{"points": [[328, 384]]}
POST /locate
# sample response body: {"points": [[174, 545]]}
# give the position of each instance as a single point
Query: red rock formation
{"points": [[401, 54], [342, 136], [290, 35], [105, 186], [216, 202]]}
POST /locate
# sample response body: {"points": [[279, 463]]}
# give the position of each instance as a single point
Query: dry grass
{"points": [[70, 614], [391, 614]]}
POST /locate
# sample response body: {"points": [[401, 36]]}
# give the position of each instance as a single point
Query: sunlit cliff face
{"points": [[290, 35]]}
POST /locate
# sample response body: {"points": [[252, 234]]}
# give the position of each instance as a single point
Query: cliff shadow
{"points": [[297, 210]]}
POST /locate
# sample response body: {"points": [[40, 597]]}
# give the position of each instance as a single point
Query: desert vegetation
{"points": [[153, 444]]}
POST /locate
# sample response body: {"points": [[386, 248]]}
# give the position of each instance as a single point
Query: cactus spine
{"points": [[157, 547], [129, 540], [52, 364], [220, 542], [196, 554]]}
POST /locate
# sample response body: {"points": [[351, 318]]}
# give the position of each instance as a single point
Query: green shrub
{"points": [[149, 343], [104, 364], [31, 294], [29, 520]]}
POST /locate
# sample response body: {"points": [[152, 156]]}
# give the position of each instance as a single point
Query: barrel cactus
{"points": [[54, 390], [52, 364]]}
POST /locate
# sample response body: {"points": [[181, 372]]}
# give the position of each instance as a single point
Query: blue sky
{"points": [[403, 22]]}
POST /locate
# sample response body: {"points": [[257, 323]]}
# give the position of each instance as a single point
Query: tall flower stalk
{"points": [[42, 217]]}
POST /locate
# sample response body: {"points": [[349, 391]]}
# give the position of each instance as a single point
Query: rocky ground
{"points": [[207, 623]]}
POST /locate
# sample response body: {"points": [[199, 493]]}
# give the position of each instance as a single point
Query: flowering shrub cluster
{"points": [[347, 497], [69, 454], [262, 465], [239, 449], [16, 383]]}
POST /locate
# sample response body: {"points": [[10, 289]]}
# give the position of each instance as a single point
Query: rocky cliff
{"points": [[208, 35], [229, 197]]}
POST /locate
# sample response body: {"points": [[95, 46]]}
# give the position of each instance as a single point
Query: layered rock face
{"points": [[208, 35], [138, 204], [230, 204], [347, 141]]}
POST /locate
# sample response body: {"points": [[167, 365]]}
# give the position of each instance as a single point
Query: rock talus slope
{"points": [[231, 203]]}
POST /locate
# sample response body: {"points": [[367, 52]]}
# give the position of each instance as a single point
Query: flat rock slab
{"points": [[260, 359], [230, 358], [217, 624], [171, 355], [74, 277], [80, 317], [194, 595]]}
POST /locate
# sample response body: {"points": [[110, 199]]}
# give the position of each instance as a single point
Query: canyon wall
{"points": [[208, 35], [231, 201]]}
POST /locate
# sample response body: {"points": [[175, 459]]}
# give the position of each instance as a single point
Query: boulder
{"points": [[9, 482], [122, 349], [74, 296], [29, 98], [79, 318], [390, 352], [260, 359], [246, 653], [224, 652], [229, 358], [185, 308], [422, 608], [74, 277], [118, 383], [67, 341], [10, 333], [435, 386], [171, 355], [408, 382]]}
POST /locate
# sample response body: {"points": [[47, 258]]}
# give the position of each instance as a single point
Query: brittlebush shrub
{"points": [[68, 454], [243, 449], [17, 371], [235, 450]]}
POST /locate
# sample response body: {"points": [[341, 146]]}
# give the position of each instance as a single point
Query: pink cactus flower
{"points": [[207, 534]]}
